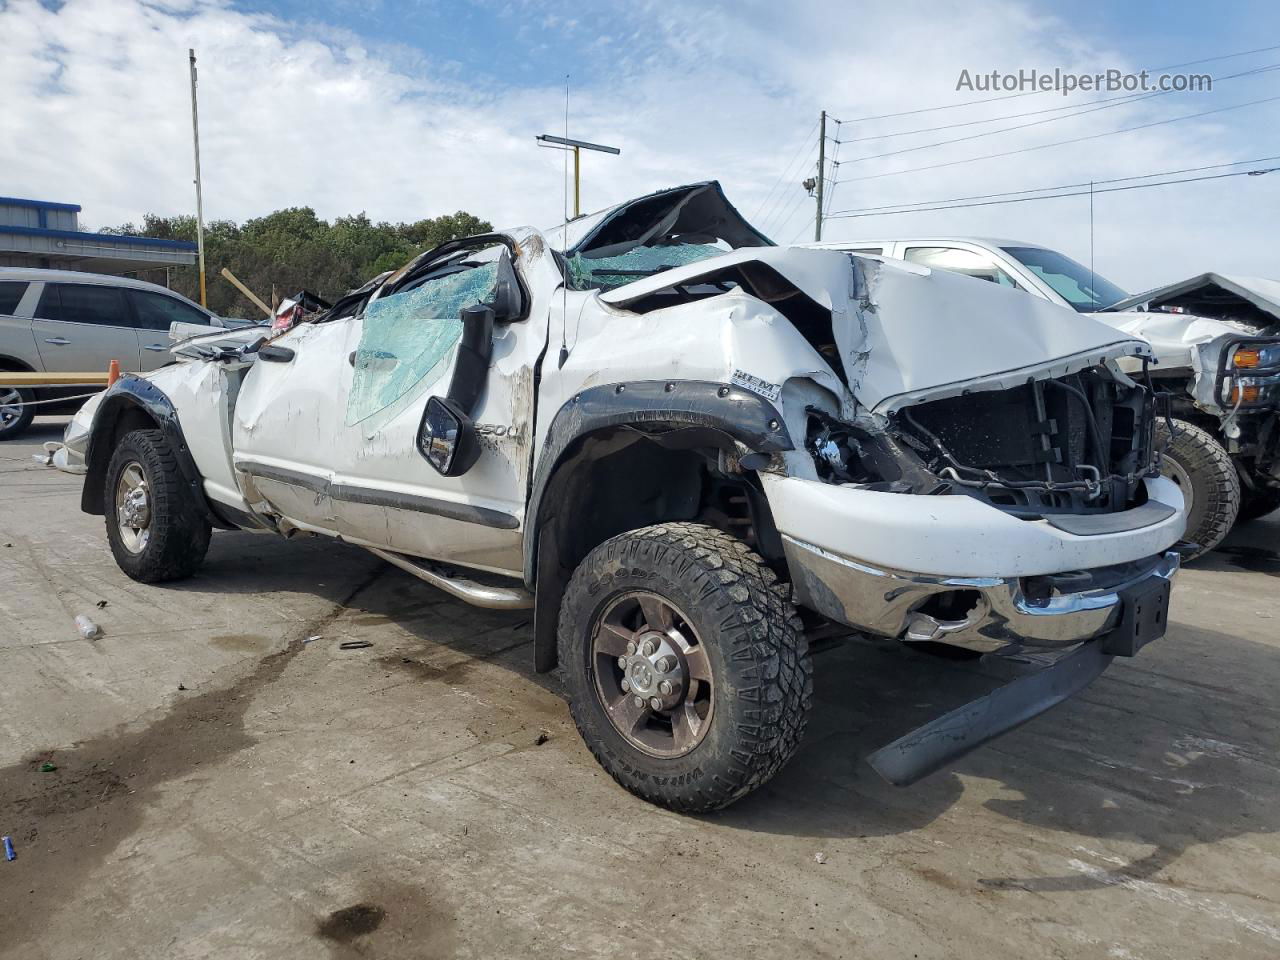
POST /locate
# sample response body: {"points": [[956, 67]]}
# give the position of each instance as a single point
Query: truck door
{"points": [[331, 433]]}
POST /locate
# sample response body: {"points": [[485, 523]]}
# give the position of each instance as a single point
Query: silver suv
{"points": [[61, 321]]}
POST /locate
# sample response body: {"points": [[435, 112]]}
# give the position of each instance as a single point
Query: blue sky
{"points": [[407, 110]]}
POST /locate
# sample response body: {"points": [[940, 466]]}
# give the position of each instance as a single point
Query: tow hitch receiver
{"points": [[1144, 613]]}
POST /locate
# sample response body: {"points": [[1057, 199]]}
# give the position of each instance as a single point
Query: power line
{"points": [[785, 170], [1029, 93], [1092, 107], [1059, 143], [1056, 196], [897, 207]]}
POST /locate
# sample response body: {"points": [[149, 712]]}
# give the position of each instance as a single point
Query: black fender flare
{"points": [[136, 392], [727, 410]]}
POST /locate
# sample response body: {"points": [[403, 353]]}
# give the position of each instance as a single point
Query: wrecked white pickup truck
{"points": [[667, 435], [1216, 353]]}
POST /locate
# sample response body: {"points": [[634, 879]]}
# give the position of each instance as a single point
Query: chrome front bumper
{"points": [[1000, 615]]}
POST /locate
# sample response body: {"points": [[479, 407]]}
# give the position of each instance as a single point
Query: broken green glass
{"points": [[407, 338], [605, 273]]}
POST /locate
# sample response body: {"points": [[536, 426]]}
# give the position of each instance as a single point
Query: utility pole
{"points": [[195, 133], [822, 176]]}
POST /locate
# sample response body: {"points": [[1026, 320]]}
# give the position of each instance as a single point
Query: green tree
{"points": [[292, 249]]}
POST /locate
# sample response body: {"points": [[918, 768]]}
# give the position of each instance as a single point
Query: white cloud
{"points": [[96, 111]]}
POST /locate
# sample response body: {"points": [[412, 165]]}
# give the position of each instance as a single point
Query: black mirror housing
{"points": [[447, 438]]}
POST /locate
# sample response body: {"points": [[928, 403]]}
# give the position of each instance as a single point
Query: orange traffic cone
{"points": [[113, 372]]}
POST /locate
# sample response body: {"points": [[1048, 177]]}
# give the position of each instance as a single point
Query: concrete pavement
{"points": [[224, 788]]}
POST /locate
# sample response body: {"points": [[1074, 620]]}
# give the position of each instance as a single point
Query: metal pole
{"points": [[822, 162], [577, 182], [195, 134]]}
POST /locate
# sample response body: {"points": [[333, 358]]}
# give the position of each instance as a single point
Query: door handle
{"points": [[155, 347], [60, 341]]}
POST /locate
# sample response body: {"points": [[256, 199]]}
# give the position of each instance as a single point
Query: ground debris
{"points": [[87, 629]]}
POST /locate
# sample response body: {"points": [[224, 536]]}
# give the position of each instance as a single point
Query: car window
{"points": [[873, 251], [1085, 290], [11, 292], [955, 260], [408, 336], [83, 303], [155, 311]]}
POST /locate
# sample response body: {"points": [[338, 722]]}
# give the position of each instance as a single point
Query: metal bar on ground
{"points": [[26, 378]]}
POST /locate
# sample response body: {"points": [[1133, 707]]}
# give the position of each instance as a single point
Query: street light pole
{"points": [[577, 146], [195, 135]]}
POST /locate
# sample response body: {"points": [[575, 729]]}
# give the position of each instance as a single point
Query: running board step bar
{"points": [[476, 594]]}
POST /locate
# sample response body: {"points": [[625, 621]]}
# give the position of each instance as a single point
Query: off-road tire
{"points": [[14, 428], [179, 534], [1215, 485], [1257, 503], [762, 683]]}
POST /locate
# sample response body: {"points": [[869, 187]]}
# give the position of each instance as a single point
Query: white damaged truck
{"points": [[682, 445], [1216, 354]]}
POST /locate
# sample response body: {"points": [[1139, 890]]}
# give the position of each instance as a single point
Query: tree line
{"points": [[291, 249]]}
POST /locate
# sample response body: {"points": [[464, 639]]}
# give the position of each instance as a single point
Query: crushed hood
{"points": [[1190, 323], [906, 333], [1252, 302]]}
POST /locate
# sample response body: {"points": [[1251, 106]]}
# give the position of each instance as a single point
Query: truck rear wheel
{"points": [[155, 531], [1258, 503], [1198, 464], [687, 667]]}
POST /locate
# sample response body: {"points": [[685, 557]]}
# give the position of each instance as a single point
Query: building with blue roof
{"points": [[42, 233]]}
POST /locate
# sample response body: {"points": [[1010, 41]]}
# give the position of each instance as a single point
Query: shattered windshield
{"points": [[656, 233], [1075, 283], [408, 337]]}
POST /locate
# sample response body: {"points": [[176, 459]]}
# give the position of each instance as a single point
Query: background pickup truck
{"points": [[678, 442], [1216, 342]]}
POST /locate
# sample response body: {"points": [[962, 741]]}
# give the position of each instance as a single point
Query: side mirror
{"points": [[506, 301], [447, 438]]}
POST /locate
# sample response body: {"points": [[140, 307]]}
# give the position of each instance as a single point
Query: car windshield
{"points": [[1077, 284]]}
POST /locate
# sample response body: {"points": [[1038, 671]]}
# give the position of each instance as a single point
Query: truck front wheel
{"points": [[1198, 464], [686, 665], [155, 531]]}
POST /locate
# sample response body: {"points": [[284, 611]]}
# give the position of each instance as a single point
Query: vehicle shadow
{"points": [[1251, 546], [1150, 754], [1141, 757]]}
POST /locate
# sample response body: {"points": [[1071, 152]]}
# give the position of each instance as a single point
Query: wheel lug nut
{"points": [[639, 701], [655, 703], [622, 662], [648, 648], [626, 685], [664, 688], [631, 647], [665, 664]]}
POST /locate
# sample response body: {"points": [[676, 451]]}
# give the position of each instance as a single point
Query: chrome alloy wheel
{"points": [[10, 405], [133, 508], [652, 674]]}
